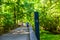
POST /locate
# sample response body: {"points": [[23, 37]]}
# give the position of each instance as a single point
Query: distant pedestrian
{"points": [[27, 24]]}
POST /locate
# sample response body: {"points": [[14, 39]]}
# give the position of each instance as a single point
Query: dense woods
{"points": [[14, 11]]}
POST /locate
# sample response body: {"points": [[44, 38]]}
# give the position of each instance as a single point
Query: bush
{"points": [[51, 23], [1, 30]]}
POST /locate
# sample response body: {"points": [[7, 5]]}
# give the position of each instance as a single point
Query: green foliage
{"points": [[46, 35], [23, 10]]}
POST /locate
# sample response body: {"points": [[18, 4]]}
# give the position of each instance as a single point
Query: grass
{"points": [[46, 35]]}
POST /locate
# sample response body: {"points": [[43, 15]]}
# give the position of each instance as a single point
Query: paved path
{"points": [[21, 33]]}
